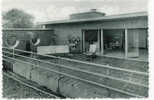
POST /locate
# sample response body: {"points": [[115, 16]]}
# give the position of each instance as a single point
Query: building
{"points": [[124, 35]]}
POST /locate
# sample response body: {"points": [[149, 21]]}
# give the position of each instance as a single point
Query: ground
{"points": [[13, 89]]}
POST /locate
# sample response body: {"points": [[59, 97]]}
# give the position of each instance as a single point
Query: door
{"points": [[91, 36]]}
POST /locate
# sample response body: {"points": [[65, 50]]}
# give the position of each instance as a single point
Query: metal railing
{"points": [[84, 62], [85, 71], [76, 69]]}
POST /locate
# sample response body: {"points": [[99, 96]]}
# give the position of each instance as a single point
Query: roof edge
{"points": [[108, 17]]}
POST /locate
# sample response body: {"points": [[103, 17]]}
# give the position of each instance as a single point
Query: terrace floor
{"points": [[142, 54], [114, 62]]}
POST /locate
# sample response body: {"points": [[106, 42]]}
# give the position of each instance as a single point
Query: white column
{"points": [[102, 42], [83, 40], [98, 40], [126, 43]]}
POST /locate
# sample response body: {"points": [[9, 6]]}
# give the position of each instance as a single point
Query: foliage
{"points": [[16, 18], [73, 40]]}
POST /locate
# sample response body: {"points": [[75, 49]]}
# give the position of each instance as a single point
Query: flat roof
{"points": [[109, 17], [27, 29]]}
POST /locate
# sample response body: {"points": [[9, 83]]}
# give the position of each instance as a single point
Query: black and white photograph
{"points": [[75, 49]]}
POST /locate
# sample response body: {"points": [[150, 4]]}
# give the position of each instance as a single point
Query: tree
{"points": [[16, 18]]}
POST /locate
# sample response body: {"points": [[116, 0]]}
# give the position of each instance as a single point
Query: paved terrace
{"points": [[111, 61]]}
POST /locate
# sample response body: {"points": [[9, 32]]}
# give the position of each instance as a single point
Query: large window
{"points": [[137, 44], [114, 42]]}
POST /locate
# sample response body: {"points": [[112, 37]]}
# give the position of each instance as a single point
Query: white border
{"points": [[151, 52]]}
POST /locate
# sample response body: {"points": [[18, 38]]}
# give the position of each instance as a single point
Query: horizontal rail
{"points": [[84, 71], [33, 87], [131, 59], [78, 78], [84, 62]]}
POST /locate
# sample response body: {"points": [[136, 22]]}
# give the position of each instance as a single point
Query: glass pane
{"points": [[133, 43], [114, 42]]}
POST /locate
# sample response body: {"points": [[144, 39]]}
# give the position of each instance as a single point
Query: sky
{"points": [[48, 10]]}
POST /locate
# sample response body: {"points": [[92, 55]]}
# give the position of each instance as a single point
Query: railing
{"points": [[83, 62], [15, 55]]}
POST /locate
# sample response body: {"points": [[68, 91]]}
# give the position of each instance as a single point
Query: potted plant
{"points": [[74, 42]]}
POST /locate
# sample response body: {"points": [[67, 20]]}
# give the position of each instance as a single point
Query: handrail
{"points": [[75, 77], [84, 71], [84, 62]]}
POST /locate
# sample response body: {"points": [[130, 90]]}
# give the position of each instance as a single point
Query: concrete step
{"points": [[45, 78], [120, 85], [22, 69], [78, 89], [53, 81], [125, 75]]}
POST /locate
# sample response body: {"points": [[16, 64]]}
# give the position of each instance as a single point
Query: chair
{"points": [[92, 51]]}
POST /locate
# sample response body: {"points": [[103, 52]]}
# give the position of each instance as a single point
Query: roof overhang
{"points": [[105, 18]]}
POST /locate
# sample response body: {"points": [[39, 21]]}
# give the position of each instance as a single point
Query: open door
{"points": [[91, 36]]}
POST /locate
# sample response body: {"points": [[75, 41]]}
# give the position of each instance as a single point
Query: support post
{"points": [[126, 43], [98, 40], [83, 41], [102, 42]]}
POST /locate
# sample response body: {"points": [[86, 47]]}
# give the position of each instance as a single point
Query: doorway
{"points": [[91, 36]]}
